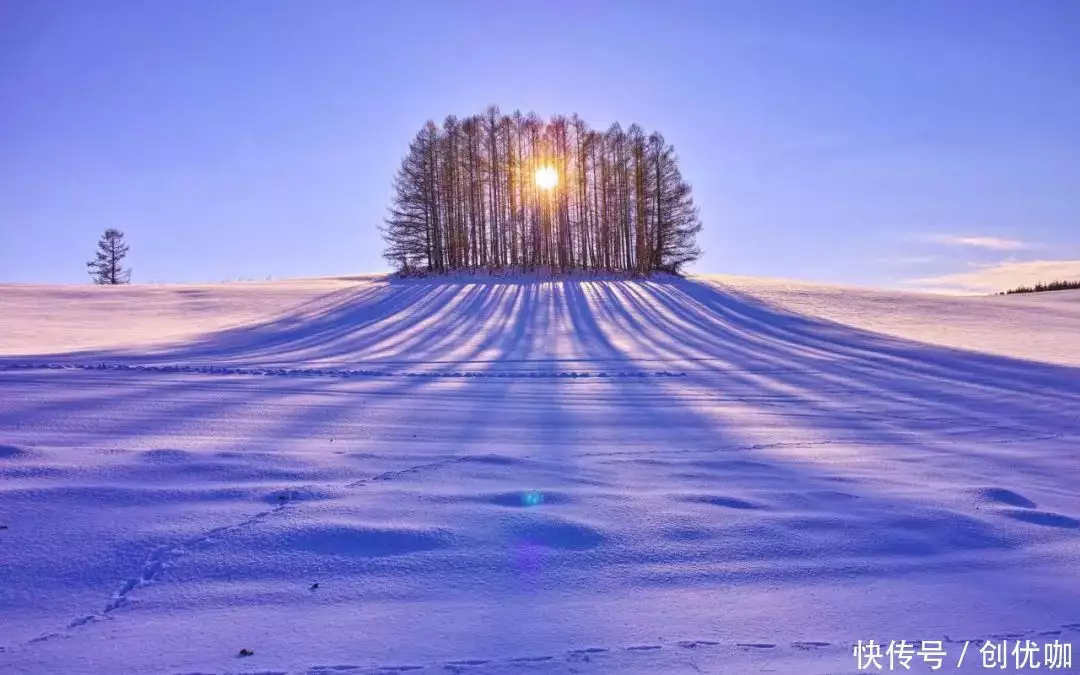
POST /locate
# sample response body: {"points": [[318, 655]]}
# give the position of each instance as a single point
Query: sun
{"points": [[546, 178]]}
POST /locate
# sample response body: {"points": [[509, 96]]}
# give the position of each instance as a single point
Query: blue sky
{"points": [[916, 143]]}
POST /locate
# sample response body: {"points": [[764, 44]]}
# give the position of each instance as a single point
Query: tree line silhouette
{"points": [[476, 193], [1041, 287]]}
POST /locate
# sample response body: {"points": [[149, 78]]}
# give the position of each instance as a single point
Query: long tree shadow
{"points": [[545, 327], [802, 352]]}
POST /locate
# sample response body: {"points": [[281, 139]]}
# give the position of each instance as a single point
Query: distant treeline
{"points": [[494, 191], [1039, 288]]}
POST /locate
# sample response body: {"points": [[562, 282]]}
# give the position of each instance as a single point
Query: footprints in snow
{"points": [[587, 651], [397, 473], [805, 646], [582, 655]]}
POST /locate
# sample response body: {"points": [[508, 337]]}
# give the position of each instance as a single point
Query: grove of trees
{"points": [[497, 191], [106, 269]]}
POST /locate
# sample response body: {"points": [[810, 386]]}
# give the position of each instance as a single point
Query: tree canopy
{"points": [[494, 191]]}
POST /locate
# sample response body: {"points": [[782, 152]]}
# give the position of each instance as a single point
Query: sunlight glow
{"points": [[546, 178]]}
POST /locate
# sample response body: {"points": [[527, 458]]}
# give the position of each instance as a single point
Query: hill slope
{"points": [[357, 320], [708, 475]]}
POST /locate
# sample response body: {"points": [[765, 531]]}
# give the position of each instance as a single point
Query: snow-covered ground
{"points": [[717, 475]]}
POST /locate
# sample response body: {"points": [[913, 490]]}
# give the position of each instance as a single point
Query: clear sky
{"points": [[904, 143]]}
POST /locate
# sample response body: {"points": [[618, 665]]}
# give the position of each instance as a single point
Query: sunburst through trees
{"points": [[546, 178], [494, 191]]}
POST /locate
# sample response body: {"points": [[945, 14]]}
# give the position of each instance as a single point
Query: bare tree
{"points": [[106, 269]]}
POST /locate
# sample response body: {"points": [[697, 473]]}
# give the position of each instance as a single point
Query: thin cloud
{"points": [[991, 243], [1001, 276], [910, 259]]}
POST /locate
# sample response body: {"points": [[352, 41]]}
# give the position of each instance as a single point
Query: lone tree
{"points": [[494, 191], [105, 269]]}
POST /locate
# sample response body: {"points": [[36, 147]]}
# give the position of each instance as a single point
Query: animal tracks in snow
{"points": [[160, 558], [608, 657], [397, 473], [522, 663], [156, 562]]}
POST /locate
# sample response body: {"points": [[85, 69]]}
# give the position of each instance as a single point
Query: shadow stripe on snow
{"points": [[338, 372]]}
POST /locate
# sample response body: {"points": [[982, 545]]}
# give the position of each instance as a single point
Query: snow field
{"points": [[758, 481]]}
